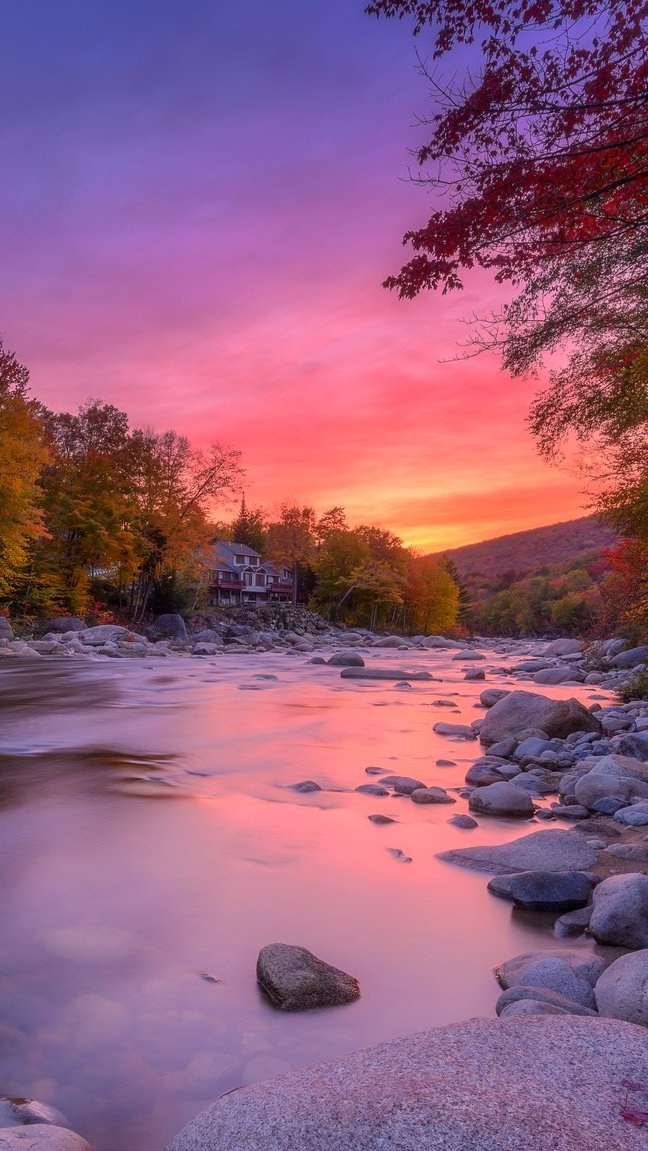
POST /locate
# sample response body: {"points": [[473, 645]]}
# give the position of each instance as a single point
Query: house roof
{"points": [[239, 549]]}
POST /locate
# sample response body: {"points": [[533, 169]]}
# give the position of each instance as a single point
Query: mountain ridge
{"points": [[533, 548]]}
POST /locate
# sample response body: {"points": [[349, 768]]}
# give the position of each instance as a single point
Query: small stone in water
{"points": [[380, 819], [209, 978], [399, 855], [446, 763]]}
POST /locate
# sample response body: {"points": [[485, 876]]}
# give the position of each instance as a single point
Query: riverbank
{"points": [[248, 860]]}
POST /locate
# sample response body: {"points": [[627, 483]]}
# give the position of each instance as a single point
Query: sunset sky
{"points": [[199, 202]]}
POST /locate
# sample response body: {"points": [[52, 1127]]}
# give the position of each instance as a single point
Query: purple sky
{"points": [[199, 202]]}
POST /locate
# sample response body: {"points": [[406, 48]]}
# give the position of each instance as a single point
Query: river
{"points": [[151, 845]]}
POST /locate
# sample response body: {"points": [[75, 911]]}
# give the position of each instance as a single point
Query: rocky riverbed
{"points": [[409, 757]]}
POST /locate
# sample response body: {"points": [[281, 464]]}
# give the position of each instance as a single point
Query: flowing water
{"points": [[151, 845]]}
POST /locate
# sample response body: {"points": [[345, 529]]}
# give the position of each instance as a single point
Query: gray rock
{"points": [[482, 773], [559, 675], [464, 821], [608, 805], [564, 647], [372, 789], [381, 819], [585, 965], [620, 914], [634, 816], [399, 855], [468, 653], [492, 695], [296, 980], [305, 786], [96, 636], [630, 658], [383, 673], [41, 1137], [634, 744], [573, 924], [635, 851], [475, 673], [17, 1112], [60, 623], [500, 885], [524, 709], [569, 810], [459, 730], [552, 973], [501, 799], [346, 659], [439, 641], [538, 851], [622, 990], [402, 784], [531, 1084], [541, 995], [550, 891], [431, 795], [525, 1007], [504, 748], [168, 626]]}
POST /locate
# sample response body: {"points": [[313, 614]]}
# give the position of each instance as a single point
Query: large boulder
{"points": [[630, 658], [168, 626], [296, 980], [540, 1083], [346, 659], [501, 799], [526, 709], [61, 623], [550, 890], [539, 851], [622, 990], [564, 647], [620, 914]]}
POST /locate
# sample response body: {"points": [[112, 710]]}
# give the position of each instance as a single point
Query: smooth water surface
{"points": [[151, 845]]}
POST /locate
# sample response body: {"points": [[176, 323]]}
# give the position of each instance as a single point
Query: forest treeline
{"points": [[98, 517]]}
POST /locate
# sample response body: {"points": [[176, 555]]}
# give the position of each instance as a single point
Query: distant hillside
{"points": [[527, 551]]}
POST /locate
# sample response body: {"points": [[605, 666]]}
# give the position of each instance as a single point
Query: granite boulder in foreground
{"points": [[540, 1083], [296, 980], [538, 851]]}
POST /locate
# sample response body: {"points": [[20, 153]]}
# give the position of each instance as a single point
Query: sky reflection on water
{"points": [[150, 837]]}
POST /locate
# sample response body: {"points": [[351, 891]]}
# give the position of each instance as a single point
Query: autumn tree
{"points": [[88, 500], [23, 453], [540, 145], [432, 595], [291, 540], [175, 485]]}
